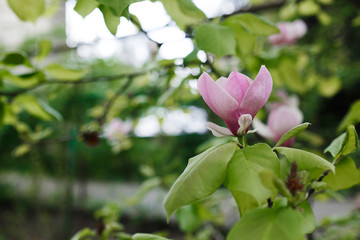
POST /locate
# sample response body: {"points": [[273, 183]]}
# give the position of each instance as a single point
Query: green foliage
{"points": [[64, 74], [25, 80], [28, 10], [111, 20], [268, 224], [242, 176], [201, 178], [306, 160], [254, 24], [14, 59], [83, 234], [183, 12], [36, 107], [188, 218], [44, 50], [345, 176], [345, 144], [146, 236], [215, 38], [352, 117], [292, 133], [85, 7]]}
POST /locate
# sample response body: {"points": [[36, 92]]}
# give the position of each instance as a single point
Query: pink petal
{"points": [[237, 85], [283, 119], [217, 130], [221, 102], [257, 94]]}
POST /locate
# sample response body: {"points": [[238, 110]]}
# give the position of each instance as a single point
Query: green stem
{"points": [[242, 141]]}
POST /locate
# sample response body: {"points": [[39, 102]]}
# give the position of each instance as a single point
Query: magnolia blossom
{"points": [[289, 32], [283, 117], [235, 99], [116, 132]]}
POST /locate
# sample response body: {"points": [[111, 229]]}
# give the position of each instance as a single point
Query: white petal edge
{"points": [[217, 130], [262, 129], [244, 123]]}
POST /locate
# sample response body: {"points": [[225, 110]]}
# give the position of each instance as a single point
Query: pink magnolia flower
{"points": [[283, 117], [235, 99], [289, 32]]}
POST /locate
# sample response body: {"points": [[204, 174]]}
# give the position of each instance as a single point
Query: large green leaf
{"points": [[147, 236], [85, 7], [36, 107], [202, 176], [215, 38], [272, 182], [268, 224], [27, 10], [62, 73], [254, 24], [245, 40], [292, 133], [308, 223], [306, 160], [346, 175], [112, 21], [183, 12], [352, 116], [242, 176], [345, 144]]}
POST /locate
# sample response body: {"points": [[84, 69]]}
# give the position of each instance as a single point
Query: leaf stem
{"points": [[242, 141]]}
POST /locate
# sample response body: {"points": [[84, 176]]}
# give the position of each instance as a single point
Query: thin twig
{"points": [[312, 190]]}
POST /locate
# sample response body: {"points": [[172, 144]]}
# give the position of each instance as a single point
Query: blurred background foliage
{"points": [[56, 96]]}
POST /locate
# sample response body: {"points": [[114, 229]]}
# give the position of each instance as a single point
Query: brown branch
{"points": [[12, 94]]}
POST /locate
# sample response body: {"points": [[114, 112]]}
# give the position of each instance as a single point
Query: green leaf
{"points": [[272, 182], [254, 24], [14, 59], [64, 74], [328, 87], [25, 80], [112, 21], [345, 144], [201, 178], [216, 39], [85, 7], [27, 10], [292, 133], [352, 117], [21, 150], [188, 218], [308, 8], [307, 222], [306, 160], [44, 50], [146, 186], [346, 175], [268, 224], [146, 236], [242, 176], [245, 40], [183, 12], [36, 107], [83, 234], [118, 7]]}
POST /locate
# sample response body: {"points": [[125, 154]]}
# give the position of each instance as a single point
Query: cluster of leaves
{"points": [[257, 177]]}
